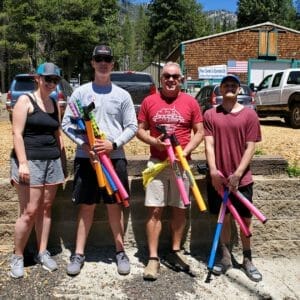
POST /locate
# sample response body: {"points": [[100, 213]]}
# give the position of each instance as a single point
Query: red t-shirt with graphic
{"points": [[178, 116], [231, 131]]}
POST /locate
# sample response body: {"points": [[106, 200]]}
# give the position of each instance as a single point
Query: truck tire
{"points": [[295, 116]]}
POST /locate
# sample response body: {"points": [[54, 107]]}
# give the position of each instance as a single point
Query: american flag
{"points": [[237, 66]]}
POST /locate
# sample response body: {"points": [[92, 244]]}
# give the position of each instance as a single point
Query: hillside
{"points": [[222, 18]]}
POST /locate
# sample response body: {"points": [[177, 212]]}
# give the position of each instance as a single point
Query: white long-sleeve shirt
{"points": [[114, 113]]}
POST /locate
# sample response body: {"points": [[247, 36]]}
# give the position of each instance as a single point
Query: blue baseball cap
{"points": [[231, 77], [48, 69]]}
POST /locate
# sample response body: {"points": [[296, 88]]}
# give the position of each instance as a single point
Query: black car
{"points": [[209, 96], [138, 84]]}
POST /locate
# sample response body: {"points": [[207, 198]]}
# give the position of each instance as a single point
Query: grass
{"points": [[259, 152], [293, 170]]}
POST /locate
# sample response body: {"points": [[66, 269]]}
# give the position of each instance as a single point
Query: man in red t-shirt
{"points": [[231, 131], [180, 114]]}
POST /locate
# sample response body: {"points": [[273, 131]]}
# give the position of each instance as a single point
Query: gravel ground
{"points": [[99, 280]]}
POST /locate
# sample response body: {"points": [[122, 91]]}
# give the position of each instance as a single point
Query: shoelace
{"points": [[76, 258], [46, 255], [17, 261], [122, 257]]}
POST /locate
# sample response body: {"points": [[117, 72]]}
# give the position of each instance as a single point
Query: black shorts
{"points": [[85, 186], [215, 200]]}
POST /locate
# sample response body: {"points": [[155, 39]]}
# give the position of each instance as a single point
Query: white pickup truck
{"points": [[279, 95]]}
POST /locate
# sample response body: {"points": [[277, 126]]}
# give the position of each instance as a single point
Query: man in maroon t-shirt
{"points": [[180, 114], [231, 131]]}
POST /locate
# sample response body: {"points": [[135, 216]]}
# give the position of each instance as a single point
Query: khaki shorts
{"points": [[162, 190]]}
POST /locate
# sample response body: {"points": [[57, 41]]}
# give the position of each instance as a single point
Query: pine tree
{"points": [[171, 22], [281, 12]]}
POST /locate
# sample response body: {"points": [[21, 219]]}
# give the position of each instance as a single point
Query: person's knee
{"points": [[29, 215], [247, 221], [155, 213], [46, 207]]}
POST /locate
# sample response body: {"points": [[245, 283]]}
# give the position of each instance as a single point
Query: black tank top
{"points": [[39, 133]]}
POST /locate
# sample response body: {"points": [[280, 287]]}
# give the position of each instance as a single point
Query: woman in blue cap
{"points": [[37, 164]]}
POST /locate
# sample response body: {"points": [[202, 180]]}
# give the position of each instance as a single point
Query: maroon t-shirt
{"points": [[231, 131], [179, 116]]}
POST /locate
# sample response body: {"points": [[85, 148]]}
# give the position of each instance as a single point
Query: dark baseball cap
{"points": [[231, 77], [48, 69], [102, 50]]}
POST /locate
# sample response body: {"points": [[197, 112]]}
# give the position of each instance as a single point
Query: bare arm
{"points": [[21, 109], [60, 142], [63, 157], [195, 140], [234, 179], [144, 136], [216, 179]]}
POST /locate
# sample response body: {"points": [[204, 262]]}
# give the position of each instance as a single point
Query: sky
{"points": [[229, 5], [219, 4]]}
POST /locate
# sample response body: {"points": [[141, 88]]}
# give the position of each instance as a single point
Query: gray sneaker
{"points": [[16, 266], [75, 265], [46, 261], [123, 263]]}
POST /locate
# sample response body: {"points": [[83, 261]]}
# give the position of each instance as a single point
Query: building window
{"points": [[268, 44]]}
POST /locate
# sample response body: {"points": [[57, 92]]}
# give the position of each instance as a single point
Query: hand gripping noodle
{"points": [[249, 205]]}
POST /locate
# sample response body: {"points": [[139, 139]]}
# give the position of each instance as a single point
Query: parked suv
{"points": [[24, 83], [209, 96], [138, 84]]}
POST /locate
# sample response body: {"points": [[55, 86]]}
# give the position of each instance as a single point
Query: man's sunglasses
{"points": [[174, 76], [52, 79], [107, 59]]}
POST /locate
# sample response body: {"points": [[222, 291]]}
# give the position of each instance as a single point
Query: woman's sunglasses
{"points": [[52, 79], [107, 59]]}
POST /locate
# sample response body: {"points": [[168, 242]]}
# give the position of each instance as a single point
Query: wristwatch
{"points": [[115, 146]]}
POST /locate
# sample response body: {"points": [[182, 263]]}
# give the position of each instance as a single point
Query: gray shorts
{"points": [[42, 172], [162, 190]]}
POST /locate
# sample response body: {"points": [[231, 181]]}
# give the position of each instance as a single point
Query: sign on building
{"points": [[212, 72]]}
